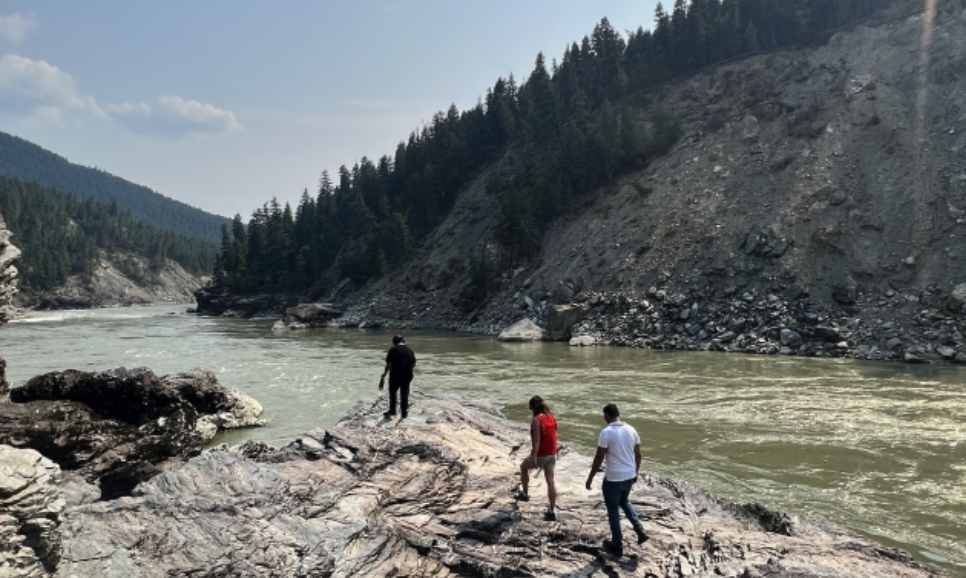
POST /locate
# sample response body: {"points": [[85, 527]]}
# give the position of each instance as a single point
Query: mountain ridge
{"points": [[29, 162]]}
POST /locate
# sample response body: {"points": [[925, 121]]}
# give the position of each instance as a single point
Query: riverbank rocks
{"points": [[523, 330], [30, 513], [433, 496], [121, 427], [307, 316]]}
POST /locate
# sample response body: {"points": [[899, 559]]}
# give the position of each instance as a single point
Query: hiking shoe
{"points": [[550, 516], [522, 496], [641, 536], [613, 549]]}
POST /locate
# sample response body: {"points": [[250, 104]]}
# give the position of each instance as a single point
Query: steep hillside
{"points": [[818, 185], [28, 162], [117, 279]]}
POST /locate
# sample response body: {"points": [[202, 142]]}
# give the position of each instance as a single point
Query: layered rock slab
{"points": [[431, 496]]}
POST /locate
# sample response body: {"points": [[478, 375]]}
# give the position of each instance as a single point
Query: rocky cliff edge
{"points": [[8, 274]]}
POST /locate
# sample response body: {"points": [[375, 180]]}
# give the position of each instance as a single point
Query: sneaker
{"points": [[610, 547], [641, 536], [388, 413], [522, 496], [550, 516]]}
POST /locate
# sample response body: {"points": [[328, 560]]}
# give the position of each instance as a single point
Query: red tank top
{"points": [[548, 435]]}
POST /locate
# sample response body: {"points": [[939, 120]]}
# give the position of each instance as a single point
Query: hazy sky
{"points": [[225, 104]]}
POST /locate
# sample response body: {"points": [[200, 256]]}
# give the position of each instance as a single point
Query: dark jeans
{"points": [[399, 386], [616, 496]]}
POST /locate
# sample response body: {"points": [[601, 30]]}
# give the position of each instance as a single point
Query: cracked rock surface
{"points": [[30, 509], [432, 496]]}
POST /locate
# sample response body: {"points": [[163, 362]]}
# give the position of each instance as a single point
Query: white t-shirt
{"points": [[619, 438]]}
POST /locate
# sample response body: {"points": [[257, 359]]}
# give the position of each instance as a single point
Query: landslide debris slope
{"points": [[837, 173]]}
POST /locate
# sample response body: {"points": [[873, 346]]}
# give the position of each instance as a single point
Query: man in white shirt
{"points": [[621, 445]]}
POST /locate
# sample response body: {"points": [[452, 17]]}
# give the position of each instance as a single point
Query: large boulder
{"points": [[560, 320], [30, 513], [957, 298], [434, 497], [307, 316], [119, 428], [845, 291], [523, 330]]}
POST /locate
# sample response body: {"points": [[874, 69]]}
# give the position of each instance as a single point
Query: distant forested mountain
{"points": [[60, 235], [573, 125], [25, 161]]}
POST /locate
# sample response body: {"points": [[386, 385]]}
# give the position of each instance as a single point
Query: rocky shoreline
{"points": [[431, 496], [913, 327]]}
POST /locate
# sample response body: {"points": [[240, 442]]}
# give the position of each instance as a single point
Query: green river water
{"points": [[878, 448]]}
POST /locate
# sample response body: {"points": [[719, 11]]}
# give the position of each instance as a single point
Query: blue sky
{"points": [[224, 105]]}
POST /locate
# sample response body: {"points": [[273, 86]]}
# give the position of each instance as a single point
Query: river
{"points": [[878, 448]]}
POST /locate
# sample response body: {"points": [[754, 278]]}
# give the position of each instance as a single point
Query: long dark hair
{"points": [[538, 406]]}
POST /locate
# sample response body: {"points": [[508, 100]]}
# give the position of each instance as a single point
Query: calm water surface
{"points": [[878, 448]]}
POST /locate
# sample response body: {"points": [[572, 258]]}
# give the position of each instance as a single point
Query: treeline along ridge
{"points": [[569, 128]]}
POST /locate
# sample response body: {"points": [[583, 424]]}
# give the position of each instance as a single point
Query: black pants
{"points": [[400, 385]]}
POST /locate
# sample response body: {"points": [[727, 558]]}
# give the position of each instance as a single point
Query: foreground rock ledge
{"points": [[432, 497]]}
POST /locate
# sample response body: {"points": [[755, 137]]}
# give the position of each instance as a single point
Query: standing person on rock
{"points": [[543, 453], [621, 445], [400, 361]]}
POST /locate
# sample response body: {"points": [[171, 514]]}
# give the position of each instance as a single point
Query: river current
{"points": [[877, 448]]}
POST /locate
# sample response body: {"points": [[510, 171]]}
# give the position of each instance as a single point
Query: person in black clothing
{"points": [[400, 361]]}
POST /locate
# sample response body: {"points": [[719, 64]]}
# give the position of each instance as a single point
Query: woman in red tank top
{"points": [[543, 453]]}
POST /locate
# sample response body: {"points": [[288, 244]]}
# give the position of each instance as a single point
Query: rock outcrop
{"points": [[431, 496], [31, 506], [119, 428], [521, 331], [308, 316], [218, 301], [9, 255]]}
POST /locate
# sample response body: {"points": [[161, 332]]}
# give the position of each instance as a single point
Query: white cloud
{"points": [[174, 116], [38, 89], [204, 116], [15, 27], [42, 94], [128, 109]]}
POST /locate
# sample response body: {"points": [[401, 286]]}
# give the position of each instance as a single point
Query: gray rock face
{"points": [[560, 320], [432, 496], [30, 513], [8, 272], [523, 330], [109, 285]]}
